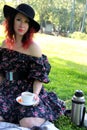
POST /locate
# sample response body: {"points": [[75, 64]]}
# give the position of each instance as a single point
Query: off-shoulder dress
{"points": [[31, 68]]}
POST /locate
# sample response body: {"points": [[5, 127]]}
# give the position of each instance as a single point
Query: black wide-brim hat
{"points": [[26, 10]]}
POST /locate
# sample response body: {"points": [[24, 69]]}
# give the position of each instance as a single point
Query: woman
{"points": [[24, 68]]}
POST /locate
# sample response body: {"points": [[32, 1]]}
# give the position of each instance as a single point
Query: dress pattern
{"points": [[50, 106]]}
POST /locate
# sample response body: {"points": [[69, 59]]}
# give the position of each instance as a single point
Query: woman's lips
{"points": [[20, 30]]}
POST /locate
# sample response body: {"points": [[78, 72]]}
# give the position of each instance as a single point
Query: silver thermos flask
{"points": [[78, 108]]}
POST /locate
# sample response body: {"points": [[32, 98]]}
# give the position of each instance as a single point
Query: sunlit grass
{"points": [[64, 48]]}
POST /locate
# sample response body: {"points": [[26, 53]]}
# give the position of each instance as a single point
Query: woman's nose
{"points": [[22, 23]]}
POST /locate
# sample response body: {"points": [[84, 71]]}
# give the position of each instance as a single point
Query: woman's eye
{"points": [[18, 19], [26, 21]]}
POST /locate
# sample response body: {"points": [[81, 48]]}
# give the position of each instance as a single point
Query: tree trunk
{"points": [[72, 16], [84, 17]]}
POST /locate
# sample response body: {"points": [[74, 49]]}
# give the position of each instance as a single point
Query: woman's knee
{"points": [[25, 122], [31, 122]]}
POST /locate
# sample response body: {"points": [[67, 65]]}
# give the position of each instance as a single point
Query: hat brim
{"points": [[7, 10]]}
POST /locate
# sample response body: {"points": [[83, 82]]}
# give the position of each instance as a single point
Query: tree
{"points": [[72, 16], [68, 14], [84, 17]]}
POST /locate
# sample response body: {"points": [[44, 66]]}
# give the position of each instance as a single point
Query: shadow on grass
{"points": [[65, 78], [64, 123]]}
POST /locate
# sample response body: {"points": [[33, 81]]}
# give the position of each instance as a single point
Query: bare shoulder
{"points": [[35, 50], [3, 45]]}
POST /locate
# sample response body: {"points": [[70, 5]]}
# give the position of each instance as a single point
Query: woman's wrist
{"points": [[36, 93]]}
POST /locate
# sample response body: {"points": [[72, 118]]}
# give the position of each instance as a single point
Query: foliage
{"points": [[78, 35], [58, 12]]}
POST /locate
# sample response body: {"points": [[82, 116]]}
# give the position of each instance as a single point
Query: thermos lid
{"points": [[78, 93], [78, 97]]}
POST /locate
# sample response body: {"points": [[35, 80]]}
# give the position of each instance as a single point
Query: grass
{"points": [[68, 64], [68, 71], [68, 59]]}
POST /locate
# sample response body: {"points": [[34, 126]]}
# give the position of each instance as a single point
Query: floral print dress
{"points": [[50, 106]]}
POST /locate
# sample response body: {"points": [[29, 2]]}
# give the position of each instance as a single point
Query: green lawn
{"points": [[68, 59]]}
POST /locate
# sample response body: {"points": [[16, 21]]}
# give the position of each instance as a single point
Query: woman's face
{"points": [[21, 24]]}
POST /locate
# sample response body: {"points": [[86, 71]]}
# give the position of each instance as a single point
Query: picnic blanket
{"points": [[10, 126]]}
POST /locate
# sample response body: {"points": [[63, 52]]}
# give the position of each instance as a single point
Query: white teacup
{"points": [[27, 97]]}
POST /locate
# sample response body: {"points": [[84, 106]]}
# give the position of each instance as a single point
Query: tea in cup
{"points": [[27, 97]]}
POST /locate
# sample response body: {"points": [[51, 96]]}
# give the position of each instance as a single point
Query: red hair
{"points": [[10, 34]]}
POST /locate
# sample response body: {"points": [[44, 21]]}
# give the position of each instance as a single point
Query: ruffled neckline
{"points": [[20, 53]]}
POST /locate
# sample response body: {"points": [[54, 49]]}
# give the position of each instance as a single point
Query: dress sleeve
{"points": [[0, 57], [39, 69]]}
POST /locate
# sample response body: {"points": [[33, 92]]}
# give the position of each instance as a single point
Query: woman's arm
{"points": [[35, 50], [36, 90], [37, 87]]}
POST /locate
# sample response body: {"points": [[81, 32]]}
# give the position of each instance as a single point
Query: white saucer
{"points": [[24, 103]]}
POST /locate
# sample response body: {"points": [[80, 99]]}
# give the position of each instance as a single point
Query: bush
{"points": [[78, 35]]}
